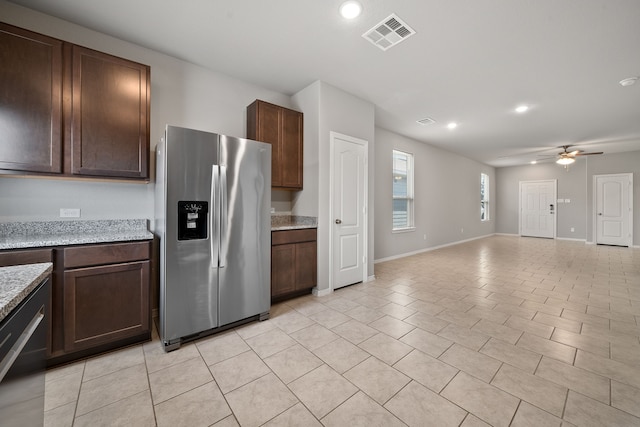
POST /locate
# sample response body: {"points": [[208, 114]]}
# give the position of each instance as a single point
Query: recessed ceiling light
{"points": [[628, 82], [452, 125], [426, 121], [522, 109], [533, 162], [350, 9]]}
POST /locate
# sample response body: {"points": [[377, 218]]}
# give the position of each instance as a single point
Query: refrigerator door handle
{"points": [[214, 216], [223, 216]]}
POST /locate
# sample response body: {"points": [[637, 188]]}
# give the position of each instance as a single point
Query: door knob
{"points": [[338, 221]]}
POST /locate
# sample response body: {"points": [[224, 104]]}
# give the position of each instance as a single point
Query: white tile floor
{"points": [[499, 331]]}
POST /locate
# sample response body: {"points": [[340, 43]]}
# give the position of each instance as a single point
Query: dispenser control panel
{"points": [[192, 220]]}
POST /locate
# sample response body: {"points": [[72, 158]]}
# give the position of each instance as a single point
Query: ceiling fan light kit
{"points": [[564, 161]]}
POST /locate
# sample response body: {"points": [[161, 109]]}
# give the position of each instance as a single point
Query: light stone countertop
{"points": [[17, 282], [20, 235], [292, 222]]}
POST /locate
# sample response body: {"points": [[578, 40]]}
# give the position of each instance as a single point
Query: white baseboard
{"points": [[321, 292], [571, 240], [370, 278], [433, 248], [556, 238]]}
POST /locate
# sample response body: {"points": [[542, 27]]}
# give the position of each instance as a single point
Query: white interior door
{"points": [[349, 187], [538, 208], [613, 209]]}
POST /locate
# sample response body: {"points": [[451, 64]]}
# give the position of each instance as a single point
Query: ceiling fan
{"points": [[566, 157]]}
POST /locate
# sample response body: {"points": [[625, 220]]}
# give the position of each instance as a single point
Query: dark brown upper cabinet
{"points": [[282, 128], [109, 116], [75, 112], [30, 101]]}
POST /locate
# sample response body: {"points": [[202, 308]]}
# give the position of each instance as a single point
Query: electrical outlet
{"points": [[573, 230], [424, 237], [461, 230], [69, 213]]}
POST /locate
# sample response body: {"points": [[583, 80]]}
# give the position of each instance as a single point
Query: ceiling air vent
{"points": [[426, 121], [389, 32]]}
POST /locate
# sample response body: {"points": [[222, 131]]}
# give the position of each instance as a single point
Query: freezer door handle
{"points": [[224, 241], [214, 216]]}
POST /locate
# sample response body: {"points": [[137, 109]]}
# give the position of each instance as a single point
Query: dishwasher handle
{"points": [[14, 352]]}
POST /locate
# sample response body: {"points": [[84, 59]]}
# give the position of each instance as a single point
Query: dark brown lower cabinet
{"points": [[25, 256], [105, 304], [100, 298], [293, 262], [32, 256]]}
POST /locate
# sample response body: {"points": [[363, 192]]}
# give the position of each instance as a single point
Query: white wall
{"points": [[446, 197], [571, 185], [575, 183], [328, 109], [609, 164], [306, 202], [182, 94]]}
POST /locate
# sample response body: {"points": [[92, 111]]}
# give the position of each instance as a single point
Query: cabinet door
{"points": [[110, 123], [283, 271], [105, 304], [291, 149], [31, 100], [306, 260], [268, 130]]}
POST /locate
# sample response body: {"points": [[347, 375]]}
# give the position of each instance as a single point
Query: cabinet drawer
{"points": [[284, 237], [111, 253], [30, 256]]}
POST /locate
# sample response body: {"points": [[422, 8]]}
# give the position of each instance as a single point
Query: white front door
{"points": [[349, 187], [613, 218], [538, 208]]}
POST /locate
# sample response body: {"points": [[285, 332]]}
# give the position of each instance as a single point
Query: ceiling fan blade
{"points": [[590, 154], [574, 153]]}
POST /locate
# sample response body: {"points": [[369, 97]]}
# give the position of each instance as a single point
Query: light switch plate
{"points": [[567, 200], [69, 213]]}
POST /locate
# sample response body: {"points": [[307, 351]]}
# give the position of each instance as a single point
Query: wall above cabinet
{"points": [[75, 112], [282, 128]]}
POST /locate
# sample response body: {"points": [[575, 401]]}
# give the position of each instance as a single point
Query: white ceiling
{"points": [[470, 61]]}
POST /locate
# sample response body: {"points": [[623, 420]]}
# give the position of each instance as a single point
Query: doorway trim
{"points": [[594, 211], [365, 214], [555, 204]]}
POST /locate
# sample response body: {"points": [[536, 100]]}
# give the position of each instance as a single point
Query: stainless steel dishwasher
{"points": [[23, 346]]}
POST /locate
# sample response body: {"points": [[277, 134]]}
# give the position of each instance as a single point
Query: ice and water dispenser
{"points": [[192, 220]]}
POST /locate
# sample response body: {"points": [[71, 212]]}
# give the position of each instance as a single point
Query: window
{"points": [[402, 190], [484, 197]]}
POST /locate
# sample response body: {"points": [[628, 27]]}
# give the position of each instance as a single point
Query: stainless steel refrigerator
{"points": [[213, 197]]}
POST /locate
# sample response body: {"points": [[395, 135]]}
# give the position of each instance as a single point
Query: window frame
{"points": [[485, 197], [410, 196]]}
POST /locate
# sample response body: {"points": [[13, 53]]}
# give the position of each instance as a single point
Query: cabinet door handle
{"points": [[338, 221]]}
